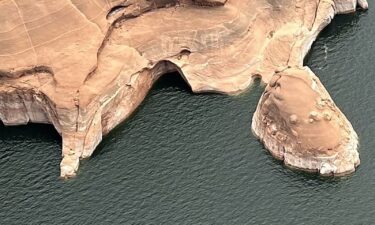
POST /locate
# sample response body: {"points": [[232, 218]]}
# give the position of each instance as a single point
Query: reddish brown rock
{"points": [[84, 66]]}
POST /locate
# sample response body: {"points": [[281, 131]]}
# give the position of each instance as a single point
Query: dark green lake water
{"points": [[191, 159]]}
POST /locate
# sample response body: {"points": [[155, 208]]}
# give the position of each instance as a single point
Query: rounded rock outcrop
{"points": [[328, 146]]}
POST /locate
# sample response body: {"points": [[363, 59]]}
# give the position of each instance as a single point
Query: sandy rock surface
{"points": [[84, 66]]}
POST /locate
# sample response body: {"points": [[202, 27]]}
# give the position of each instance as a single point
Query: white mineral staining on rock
{"points": [[314, 116], [363, 4], [84, 66], [293, 119], [327, 116]]}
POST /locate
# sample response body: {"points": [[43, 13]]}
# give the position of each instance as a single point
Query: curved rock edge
{"points": [[82, 143], [342, 163]]}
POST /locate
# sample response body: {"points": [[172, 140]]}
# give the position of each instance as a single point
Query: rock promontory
{"points": [[85, 66]]}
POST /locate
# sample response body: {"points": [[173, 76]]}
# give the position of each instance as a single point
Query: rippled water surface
{"points": [[191, 159]]}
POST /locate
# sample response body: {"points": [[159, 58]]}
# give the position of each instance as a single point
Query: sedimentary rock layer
{"points": [[298, 122], [84, 66]]}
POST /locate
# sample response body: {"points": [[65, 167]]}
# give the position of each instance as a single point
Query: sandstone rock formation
{"points": [[299, 124], [84, 66]]}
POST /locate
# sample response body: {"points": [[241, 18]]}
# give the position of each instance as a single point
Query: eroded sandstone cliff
{"points": [[84, 66]]}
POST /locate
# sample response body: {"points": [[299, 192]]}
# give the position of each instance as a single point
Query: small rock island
{"points": [[85, 66]]}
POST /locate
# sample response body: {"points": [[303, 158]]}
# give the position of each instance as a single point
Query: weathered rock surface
{"points": [[299, 124], [84, 66]]}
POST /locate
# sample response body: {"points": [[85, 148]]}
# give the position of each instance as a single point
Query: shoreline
{"points": [[85, 102]]}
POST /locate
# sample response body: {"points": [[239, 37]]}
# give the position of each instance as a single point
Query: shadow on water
{"points": [[171, 82], [41, 132]]}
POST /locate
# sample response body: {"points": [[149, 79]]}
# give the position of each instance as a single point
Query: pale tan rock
{"points": [[328, 146], [84, 66]]}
